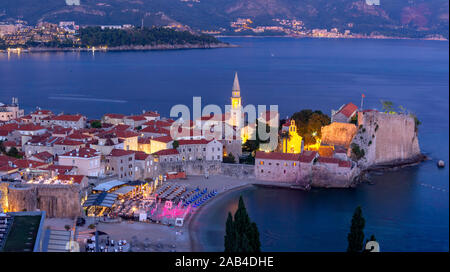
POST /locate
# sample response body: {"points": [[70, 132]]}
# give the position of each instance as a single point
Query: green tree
{"points": [[175, 144], [13, 152], [355, 237], [309, 124], [388, 106], [242, 234], [96, 124]]}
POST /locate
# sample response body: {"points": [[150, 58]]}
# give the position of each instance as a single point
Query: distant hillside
{"points": [[410, 18]]}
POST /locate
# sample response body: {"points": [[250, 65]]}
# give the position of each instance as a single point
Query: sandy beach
{"points": [[152, 237]]}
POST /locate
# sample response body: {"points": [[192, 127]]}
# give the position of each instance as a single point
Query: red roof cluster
{"points": [[120, 153], [163, 139], [68, 118], [71, 178], [82, 153], [166, 152], [193, 142], [277, 156], [348, 109], [115, 115]]}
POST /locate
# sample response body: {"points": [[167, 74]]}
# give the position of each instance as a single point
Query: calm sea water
{"points": [[407, 210]]}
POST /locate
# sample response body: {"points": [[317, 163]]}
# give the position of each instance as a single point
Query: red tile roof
{"points": [[120, 152], [68, 142], [136, 118], [348, 109], [166, 152], [126, 134], [9, 144], [24, 163], [193, 142], [157, 123], [59, 168], [115, 115], [6, 168], [120, 127], [82, 153], [43, 155], [163, 139], [140, 156], [277, 156], [307, 156], [158, 130], [151, 114], [42, 112], [71, 178], [66, 117], [347, 164], [30, 127]]}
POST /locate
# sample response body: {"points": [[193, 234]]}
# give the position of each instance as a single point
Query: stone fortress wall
{"points": [[55, 200], [387, 139], [240, 171]]}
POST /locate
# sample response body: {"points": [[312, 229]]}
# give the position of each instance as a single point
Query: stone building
{"points": [[11, 111], [344, 114], [167, 155], [87, 160], [277, 166], [200, 150], [121, 163]]}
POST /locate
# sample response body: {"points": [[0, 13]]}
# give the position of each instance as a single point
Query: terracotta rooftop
{"points": [[140, 156], [29, 127], [126, 134], [348, 109], [82, 153], [163, 139], [25, 163], [136, 118], [151, 114], [59, 168], [43, 155], [68, 118], [151, 129], [166, 152], [193, 142], [277, 156], [120, 153], [307, 156], [115, 115], [71, 178]]}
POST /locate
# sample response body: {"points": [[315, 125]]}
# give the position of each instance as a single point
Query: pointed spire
{"points": [[236, 86]]}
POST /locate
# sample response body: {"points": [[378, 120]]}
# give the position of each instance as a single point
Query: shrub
{"points": [[357, 151]]}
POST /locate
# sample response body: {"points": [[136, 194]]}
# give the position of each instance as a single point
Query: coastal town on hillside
{"points": [[18, 35], [74, 175]]}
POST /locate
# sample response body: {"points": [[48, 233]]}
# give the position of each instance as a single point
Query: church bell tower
{"points": [[236, 106]]}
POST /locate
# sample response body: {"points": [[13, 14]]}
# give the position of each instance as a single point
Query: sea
{"points": [[406, 210]]}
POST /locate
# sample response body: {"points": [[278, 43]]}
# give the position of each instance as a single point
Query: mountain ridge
{"points": [[391, 18]]}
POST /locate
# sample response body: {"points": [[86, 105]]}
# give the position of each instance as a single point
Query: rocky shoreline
{"points": [[128, 48]]}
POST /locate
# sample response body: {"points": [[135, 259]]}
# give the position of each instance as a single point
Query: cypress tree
{"points": [[356, 235], [242, 235], [229, 234]]}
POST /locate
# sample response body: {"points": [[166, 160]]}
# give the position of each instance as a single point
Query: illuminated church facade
{"points": [[293, 143]]}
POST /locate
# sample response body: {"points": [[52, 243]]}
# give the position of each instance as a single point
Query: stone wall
{"points": [[338, 134], [55, 200], [326, 177], [240, 171], [387, 139]]}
